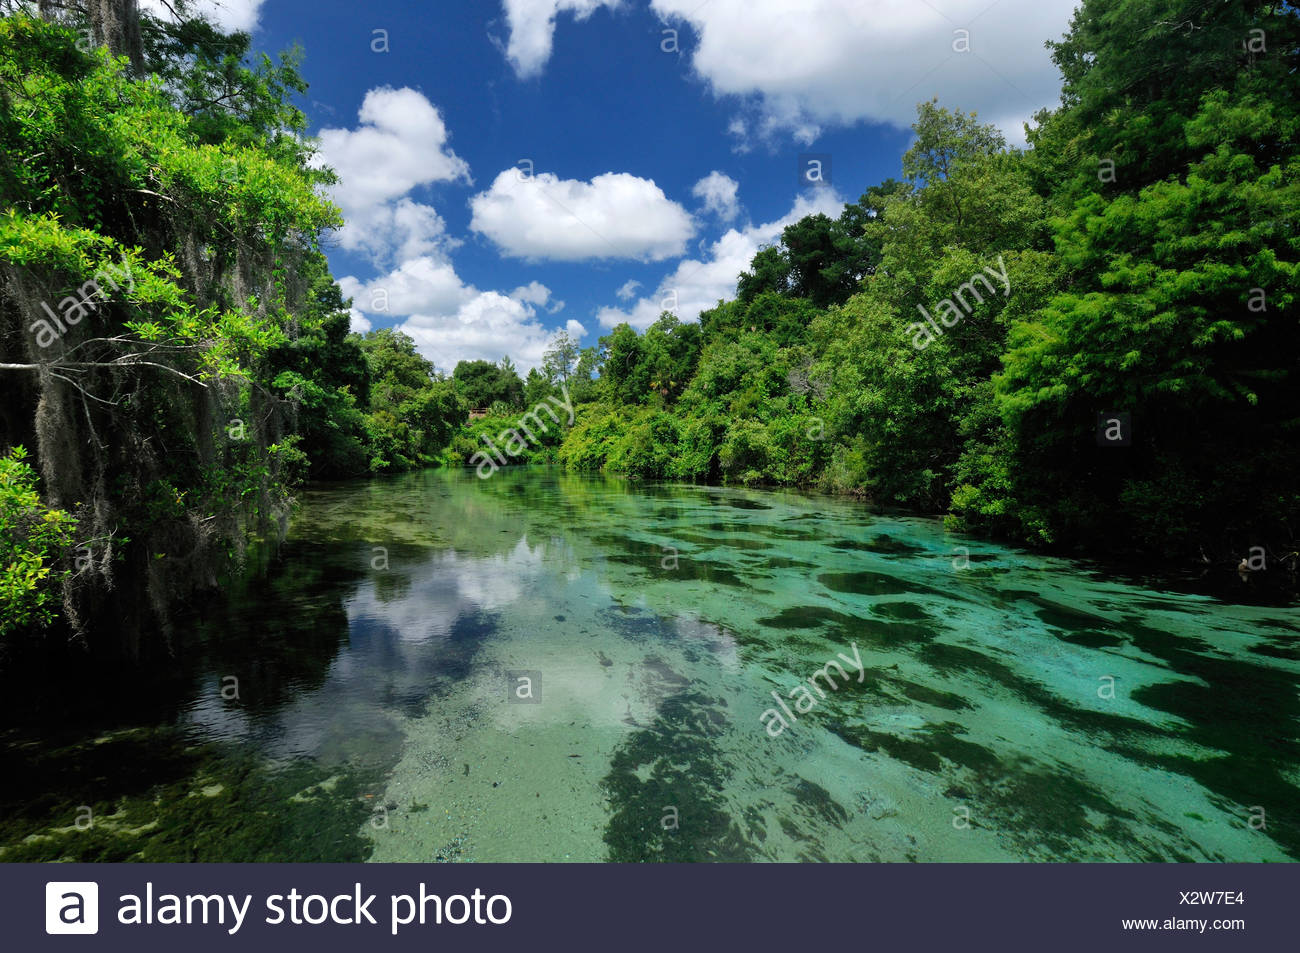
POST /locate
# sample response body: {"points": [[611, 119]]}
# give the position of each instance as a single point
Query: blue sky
{"points": [[514, 167]]}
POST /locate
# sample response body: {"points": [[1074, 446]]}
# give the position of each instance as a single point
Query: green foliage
{"points": [[537, 388], [496, 434], [729, 410], [645, 446], [209, 77], [820, 259], [1181, 310], [561, 358], [33, 539], [413, 413], [322, 370], [583, 385], [591, 441], [652, 368], [624, 371], [483, 383]]}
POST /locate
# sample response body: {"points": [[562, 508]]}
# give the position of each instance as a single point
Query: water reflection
{"points": [[370, 663]]}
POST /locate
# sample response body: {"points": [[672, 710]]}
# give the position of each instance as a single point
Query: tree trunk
{"points": [[113, 23], [117, 26]]}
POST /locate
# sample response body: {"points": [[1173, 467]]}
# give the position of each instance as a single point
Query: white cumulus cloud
{"points": [[359, 324], [615, 215], [452, 321], [532, 29], [532, 293], [421, 284], [695, 285], [834, 62], [538, 294], [230, 15], [401, 143], [487, 327], [718, 192]]}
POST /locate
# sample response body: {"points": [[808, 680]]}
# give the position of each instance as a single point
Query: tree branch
{"points": [[125, 361]]}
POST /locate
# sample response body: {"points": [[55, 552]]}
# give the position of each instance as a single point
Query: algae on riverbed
{"points": [[1020, 709]]}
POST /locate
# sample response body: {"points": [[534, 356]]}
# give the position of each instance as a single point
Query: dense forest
{"points": [[1088, 345]]}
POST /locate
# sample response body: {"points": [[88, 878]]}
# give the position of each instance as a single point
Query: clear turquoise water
{"points": [[1007, 706]]}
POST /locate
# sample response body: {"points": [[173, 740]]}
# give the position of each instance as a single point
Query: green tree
{"points": [[901, 411], [624, 372], [670, 349], [1178, 304], [483, 383], [769, 272], [321, 369], [413, 413], [536, 388], [560, 358], [584, 385]]}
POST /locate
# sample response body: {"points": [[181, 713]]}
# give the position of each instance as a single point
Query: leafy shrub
{"points": [[646, 446], [33, 537], [591, 441]]}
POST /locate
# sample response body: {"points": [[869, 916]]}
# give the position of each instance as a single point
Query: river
{"points": [[542, 666]]}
